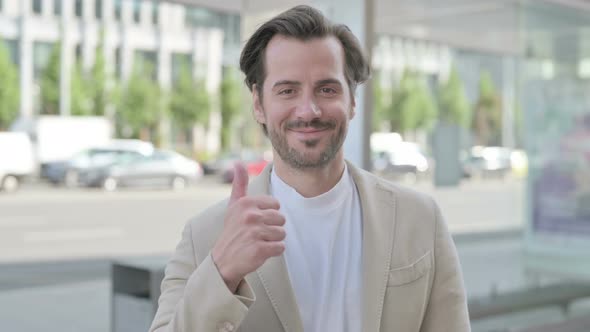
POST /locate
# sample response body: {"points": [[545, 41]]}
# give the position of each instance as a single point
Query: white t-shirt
{"points": [[323, 254]]}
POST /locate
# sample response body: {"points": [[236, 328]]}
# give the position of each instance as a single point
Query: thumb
{"points": [[239, 183]]}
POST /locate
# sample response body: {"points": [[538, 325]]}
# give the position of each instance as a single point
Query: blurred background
{"points": [[121, 119]]}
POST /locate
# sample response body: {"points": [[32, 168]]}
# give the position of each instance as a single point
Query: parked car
{"points": [[220, 164], [163, 168], [16, 160], [255, 162], [487, 161], [68, 172], [401, 159]]}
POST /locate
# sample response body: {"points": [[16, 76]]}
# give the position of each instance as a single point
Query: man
{"points": [[313, 243]]}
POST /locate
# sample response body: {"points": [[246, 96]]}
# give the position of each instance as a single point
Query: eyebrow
{"points": [[286, 82], [328, 81], [320, 82]]}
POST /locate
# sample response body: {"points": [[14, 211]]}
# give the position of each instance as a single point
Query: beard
{"points": [[302, 159]]}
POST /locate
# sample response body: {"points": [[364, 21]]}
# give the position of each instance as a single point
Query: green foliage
{"points": [[230, 105], [99, 91], [380, 104], [412, 107], [190, 102], [50, 82], [487, 119], [140, 102], [9, 91], [452, 102], [81, 99]]}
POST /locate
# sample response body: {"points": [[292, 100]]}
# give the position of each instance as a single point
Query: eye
{"points": [[286, 91], [326, 90]]}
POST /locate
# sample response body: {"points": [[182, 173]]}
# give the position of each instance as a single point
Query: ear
{"points": [[258, 110]]}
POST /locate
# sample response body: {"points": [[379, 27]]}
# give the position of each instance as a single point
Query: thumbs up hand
{"points": [[252, 232]]}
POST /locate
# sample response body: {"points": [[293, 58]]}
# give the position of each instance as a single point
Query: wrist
{"points": [[230, 281]]}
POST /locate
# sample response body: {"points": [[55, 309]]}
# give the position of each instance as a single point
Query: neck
{"points": [[311, 182]]}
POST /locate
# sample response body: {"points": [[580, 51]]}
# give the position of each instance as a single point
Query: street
{"points": [[58, 243], [41, 223]]}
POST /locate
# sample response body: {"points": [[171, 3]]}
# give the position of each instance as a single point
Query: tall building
{"points": [[162, 32]]}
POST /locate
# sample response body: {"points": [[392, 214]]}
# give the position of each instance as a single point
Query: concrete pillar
{"points": [[145, 13], [89, 41], [108, 11], [26, 62], [126, 44], [127, 12], [165, 82], [214, 73], [164, 62], [111, 37], [47, 8], [200, 63], [88, 11], [89, 34], [358, 16], [199, 54], [13, 8], [67, 55]]}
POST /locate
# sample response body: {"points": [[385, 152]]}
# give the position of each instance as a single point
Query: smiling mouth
{"points": [[308, 130]]}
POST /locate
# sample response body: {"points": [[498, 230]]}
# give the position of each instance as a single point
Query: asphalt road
{"points": [[43, 223], [58, 243]]}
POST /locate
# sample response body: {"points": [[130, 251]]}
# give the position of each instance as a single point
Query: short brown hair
{"points": [[303, 23]]}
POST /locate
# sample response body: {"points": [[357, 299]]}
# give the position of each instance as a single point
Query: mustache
{"points": [[315, 124]]}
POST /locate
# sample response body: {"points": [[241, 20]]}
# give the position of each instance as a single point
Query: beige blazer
{"points": [[411, 275]]}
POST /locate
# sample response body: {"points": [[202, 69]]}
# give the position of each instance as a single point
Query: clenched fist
{"points": [[252, 232]]}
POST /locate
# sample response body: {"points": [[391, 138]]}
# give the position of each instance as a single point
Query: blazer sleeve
{"points": [[447, 306], [194, 296]]}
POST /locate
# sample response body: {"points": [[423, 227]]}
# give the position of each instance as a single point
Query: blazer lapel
{"points": [[273, 273], [378, 211]]}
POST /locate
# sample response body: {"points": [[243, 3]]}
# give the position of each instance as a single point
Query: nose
{"points": [[308, 108]]}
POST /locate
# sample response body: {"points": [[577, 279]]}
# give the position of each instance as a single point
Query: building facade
{"points": [[163, 32]]}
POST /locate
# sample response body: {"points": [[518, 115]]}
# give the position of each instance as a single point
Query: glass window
{"points": [[57, 7], [78, 52], [98, 9], [42, 52], [180, 62], [136, 11], [118, 61], [12, 47], [78, 8], [117, 6], [146, 60], [37, 6], [155, 12]]}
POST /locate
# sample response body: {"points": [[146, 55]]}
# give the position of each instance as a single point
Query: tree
{"points": [[452, 102], [9, 91], [487, 119], [413, 107], [190, 103], [230, 105], [50, 82], [81, 96], [100, 93], [139, 106], [380, 105]]}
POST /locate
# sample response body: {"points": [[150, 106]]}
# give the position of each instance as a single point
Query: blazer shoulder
{"points": [[405, 195]]}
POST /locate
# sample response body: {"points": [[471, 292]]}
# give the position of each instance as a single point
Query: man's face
{"points": [[306, 103]]}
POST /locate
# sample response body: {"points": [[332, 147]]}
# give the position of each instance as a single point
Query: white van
{"points": [[16, 159]]}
